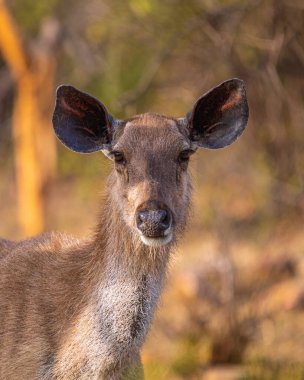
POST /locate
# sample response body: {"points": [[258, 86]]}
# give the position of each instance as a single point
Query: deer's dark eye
{"points": [[185, 155], [119, 158]]}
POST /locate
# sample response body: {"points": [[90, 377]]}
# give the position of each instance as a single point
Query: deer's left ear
{"points": [[81, 122], [220, 116]]}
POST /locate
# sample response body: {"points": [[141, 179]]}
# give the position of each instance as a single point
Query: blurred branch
{"points": [[147, 79], [298, 49], [10, 43], [145, 82], [6, 83], [34, 142]]}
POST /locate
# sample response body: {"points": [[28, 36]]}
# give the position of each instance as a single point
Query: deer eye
{"points": [[185, 155], [119, 158]]}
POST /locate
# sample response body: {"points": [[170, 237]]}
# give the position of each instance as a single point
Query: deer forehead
{"points": [[152, 133], [151, 119]]}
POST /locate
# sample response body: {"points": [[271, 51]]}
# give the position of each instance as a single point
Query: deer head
{"points": [[151, 152]]}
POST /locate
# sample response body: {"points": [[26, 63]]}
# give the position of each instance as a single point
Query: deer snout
{"points": [[154, 224]]}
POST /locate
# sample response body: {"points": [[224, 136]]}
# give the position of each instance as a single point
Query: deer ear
{"points": [[81, 122], [220, 116]]}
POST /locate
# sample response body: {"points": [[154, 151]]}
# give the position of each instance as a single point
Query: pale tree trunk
{"points": [[34, 142]]}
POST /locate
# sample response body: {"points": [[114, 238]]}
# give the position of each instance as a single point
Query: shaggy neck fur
{"points": [[125, 278]]}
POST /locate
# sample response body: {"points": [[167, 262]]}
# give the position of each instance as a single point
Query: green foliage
{"points": [[29, 13], [265, 370], [188, 361]]}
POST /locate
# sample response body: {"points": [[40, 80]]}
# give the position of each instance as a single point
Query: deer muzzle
{"points": [[154, 223]]}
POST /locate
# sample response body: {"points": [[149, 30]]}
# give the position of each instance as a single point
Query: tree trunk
{"points": [[34, 142]]}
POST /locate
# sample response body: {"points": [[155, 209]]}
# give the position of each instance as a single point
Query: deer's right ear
{"points": [[220, 116], [81, 122]]}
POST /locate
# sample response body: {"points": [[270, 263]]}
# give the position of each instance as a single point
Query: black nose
{"points": [[153, 223]]}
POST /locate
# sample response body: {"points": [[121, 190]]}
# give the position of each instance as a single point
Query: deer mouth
{"points": [[157, 241]]}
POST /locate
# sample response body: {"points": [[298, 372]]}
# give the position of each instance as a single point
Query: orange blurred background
{"points": [[233, 305]]}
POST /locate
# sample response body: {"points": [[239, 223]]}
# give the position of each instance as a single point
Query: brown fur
{"points": [[49, 285], [72, 309]]}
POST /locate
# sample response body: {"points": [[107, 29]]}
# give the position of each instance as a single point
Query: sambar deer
{"points": [[81, 309]]}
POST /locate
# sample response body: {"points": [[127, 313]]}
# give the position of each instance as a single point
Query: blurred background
{"points": [[233, 306]]}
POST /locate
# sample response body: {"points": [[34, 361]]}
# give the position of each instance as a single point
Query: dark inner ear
{"points": [[219, 116], [80, 121]]}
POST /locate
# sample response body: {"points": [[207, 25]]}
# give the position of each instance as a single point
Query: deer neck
{"points": [[120, 287], [131, 279]]}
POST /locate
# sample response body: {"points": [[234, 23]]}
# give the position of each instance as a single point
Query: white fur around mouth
{"points": [[157, 241]]}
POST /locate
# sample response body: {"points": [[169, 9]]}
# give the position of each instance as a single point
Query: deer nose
{"points": [[153, 223]]}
